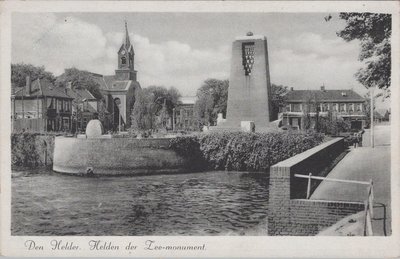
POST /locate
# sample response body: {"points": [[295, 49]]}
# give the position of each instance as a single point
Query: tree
{"points": [[332, 124], [153, 105], [374, 31], [143, 114], [79, 79], [20, 71], [278, 99], [212, 98], [163, 95]]}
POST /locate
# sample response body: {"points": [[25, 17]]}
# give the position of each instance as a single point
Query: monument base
{"points": [[244, 126]]}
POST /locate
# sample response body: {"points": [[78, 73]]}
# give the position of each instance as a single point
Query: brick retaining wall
{"points": [[289, 212]]}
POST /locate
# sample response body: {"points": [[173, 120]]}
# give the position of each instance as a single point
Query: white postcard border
{"points": [[224, 246]]}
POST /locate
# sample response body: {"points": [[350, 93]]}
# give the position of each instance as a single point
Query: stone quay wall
{"points": [[116, 156], [290, 213]]}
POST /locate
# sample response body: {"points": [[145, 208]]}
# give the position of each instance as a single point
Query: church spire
{"points": [[126, 57], [127, 41]]}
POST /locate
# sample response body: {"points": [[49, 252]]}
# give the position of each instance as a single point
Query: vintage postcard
{"points": [[200, 129]]}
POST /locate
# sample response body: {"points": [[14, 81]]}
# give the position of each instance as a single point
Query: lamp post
{"points": [[372, 116], [13, 111], [173, 119]]}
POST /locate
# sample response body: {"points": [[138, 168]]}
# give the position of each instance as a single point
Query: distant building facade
{"points": [[119, 89], [184, 114], [41, 107], [84, 108], [345, 104], [381, 115]]}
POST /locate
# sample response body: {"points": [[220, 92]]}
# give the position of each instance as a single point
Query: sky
{"points": [[184, 49]]}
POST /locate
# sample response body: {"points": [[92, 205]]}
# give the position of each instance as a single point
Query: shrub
{"points": [[242, 151], [189, 147], [31, 149]]}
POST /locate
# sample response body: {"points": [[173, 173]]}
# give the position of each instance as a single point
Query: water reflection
{"points": [[210, 203]]}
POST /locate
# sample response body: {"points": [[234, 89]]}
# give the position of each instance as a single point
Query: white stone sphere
{"points": [[94, 129]]}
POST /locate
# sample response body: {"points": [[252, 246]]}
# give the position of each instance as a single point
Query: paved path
{"points": [[363, 164]]}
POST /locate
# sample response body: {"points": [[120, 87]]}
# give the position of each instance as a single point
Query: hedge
{"points": [[31, 149], [242, 151], [237, 151]]}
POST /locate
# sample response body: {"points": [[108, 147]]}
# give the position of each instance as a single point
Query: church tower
{"points": [[126, 56]]}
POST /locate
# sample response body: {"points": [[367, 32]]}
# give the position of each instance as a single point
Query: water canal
{"points": [[208, 203]]}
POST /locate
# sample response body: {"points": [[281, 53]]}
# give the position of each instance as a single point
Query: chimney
{"points": [[28, 85], [291, 88], [323, 88]]}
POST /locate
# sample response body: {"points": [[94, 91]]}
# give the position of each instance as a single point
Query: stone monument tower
{"points": [[249, 92]]}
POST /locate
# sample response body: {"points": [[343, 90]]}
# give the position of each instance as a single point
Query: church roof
{"points": [[109, 83], [324, 95]]}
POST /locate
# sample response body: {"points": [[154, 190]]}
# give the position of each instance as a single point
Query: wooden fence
{"points": [[36, 125]]}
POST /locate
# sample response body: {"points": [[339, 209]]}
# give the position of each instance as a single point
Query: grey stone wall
{"points": [[117, 156]]}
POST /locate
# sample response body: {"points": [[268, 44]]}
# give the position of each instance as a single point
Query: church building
{"points": [[119, 89]]}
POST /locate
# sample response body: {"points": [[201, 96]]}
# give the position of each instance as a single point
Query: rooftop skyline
{"points": [[184, 49]]}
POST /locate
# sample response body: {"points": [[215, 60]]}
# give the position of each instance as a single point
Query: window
{"points": [[357, 107], [287, 107], [296, 107], [350, 107], [123, 60], [59, 105], [323, 107], [341, 107]]}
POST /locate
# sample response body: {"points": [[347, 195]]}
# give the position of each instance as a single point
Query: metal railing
{"points": [[368, 203]]}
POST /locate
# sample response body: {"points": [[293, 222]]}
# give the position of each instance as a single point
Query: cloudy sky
{"points": [[184, 49]]}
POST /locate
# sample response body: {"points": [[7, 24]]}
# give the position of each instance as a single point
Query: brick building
{"points": [[345, 104], [41, 107], [184, 114], [119, 89]]}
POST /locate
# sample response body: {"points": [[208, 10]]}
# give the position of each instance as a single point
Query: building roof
{"points": [[43, 88], [382, 112], [187, 99], [89, 108], [324, 96], [109, 83], [79, 94]]}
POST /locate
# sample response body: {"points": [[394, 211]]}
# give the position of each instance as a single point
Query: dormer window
{"points": [[123, 60]]}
